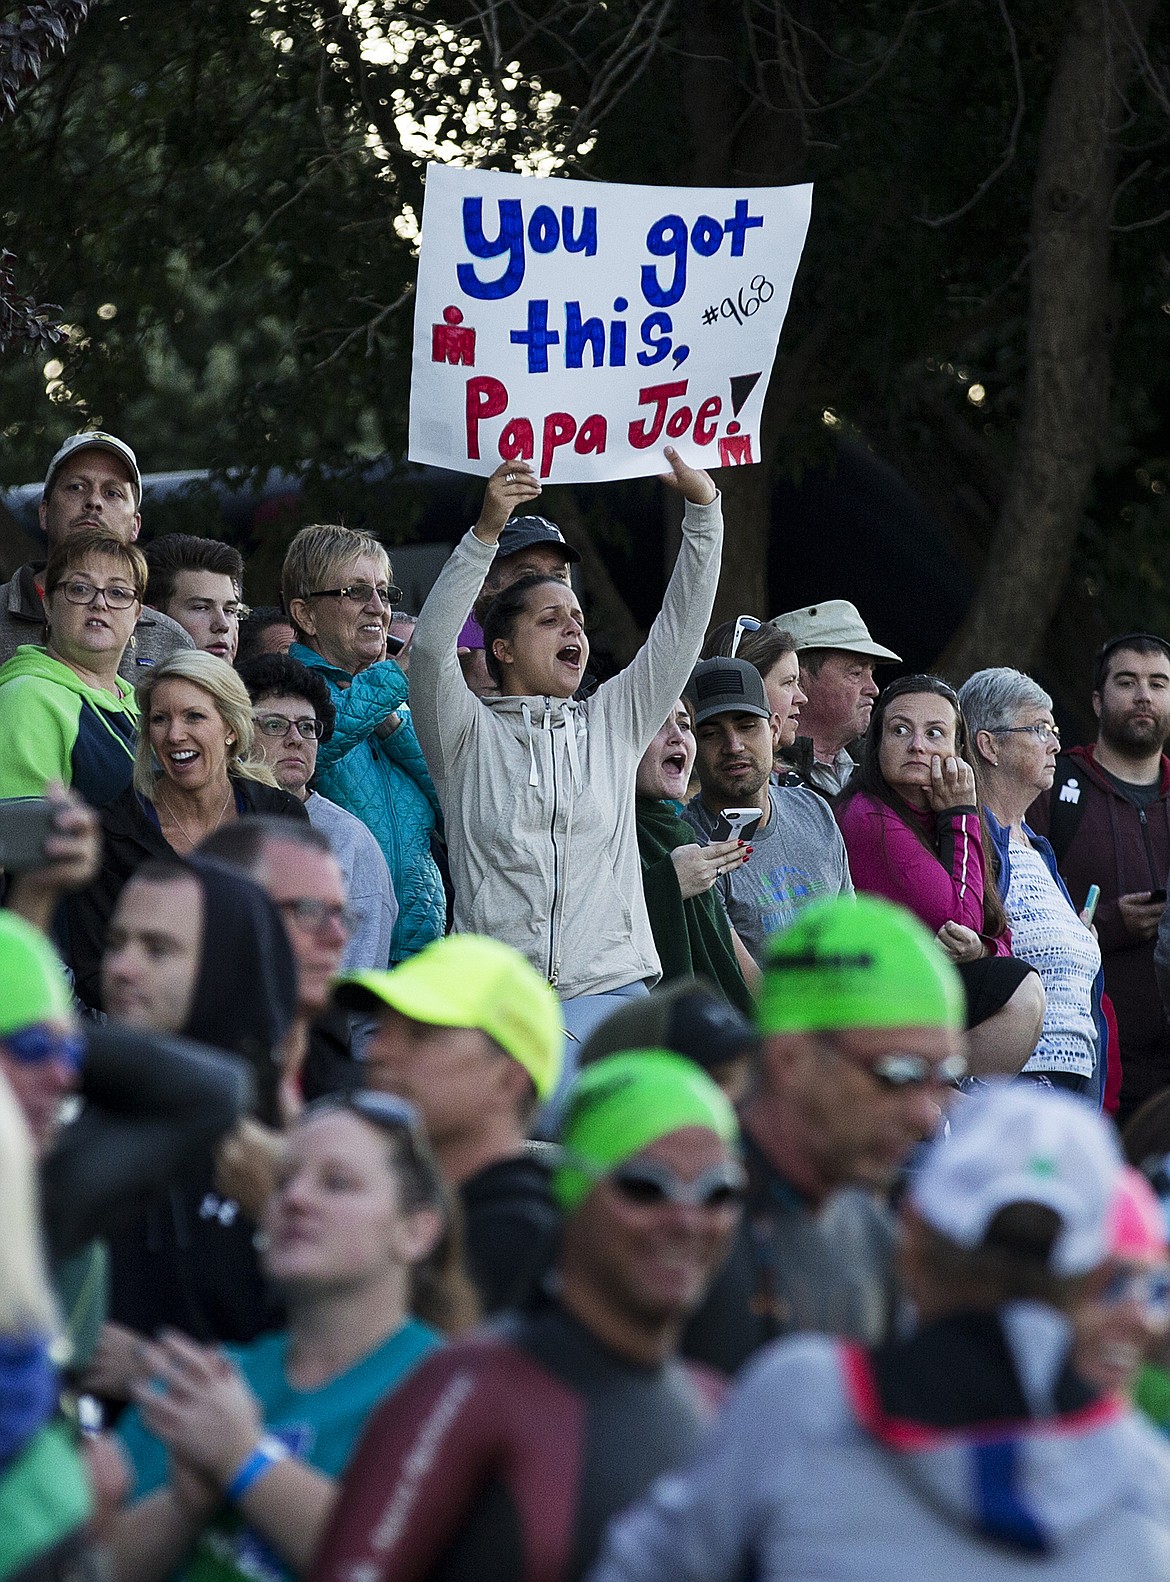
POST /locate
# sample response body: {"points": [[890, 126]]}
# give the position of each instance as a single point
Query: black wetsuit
{"points": [[511, 1225], [505, 1455]]}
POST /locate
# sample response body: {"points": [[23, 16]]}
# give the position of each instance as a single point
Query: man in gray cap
{"points": [[92, 481], [837, 658], [796, 852]]}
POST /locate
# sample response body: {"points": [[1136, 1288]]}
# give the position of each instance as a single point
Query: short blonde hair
{"points": [[230, 697], [317, 558], [26, 1298]]}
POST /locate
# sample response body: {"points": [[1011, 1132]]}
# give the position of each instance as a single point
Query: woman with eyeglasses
{"points": [[294, 718], [65, 713], [237, 1456], [195, 770], [538, 784], [1016, 742], [914, 833], [337, 590]]}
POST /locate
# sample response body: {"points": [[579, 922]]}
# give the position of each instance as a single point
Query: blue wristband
{"points": [[266, 1454]]}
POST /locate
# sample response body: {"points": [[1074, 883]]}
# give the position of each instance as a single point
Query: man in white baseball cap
{"points": [[92, 481], [837, 658]]}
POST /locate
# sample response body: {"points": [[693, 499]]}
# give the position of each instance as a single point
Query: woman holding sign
{"points": [[538, 788]]}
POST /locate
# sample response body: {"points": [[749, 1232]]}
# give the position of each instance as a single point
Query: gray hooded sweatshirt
{"points": [[538, 793], [812, 1475]]}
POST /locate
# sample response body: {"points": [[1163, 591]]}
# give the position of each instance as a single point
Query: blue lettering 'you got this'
{"points": [[669, 237], [591, 341], [544, 233]]}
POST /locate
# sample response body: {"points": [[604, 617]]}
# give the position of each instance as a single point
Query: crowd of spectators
{"points": [[462, 1120]]}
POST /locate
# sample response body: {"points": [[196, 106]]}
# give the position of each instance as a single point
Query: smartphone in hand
{"points": [[736, 823], [25, 825]]}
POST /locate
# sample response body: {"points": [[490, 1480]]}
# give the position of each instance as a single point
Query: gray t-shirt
{"points": [[797, 856]]}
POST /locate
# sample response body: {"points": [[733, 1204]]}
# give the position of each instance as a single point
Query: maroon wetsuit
{"points": [[503, 1457]]}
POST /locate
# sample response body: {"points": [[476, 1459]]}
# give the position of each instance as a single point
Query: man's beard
{"points": [[1136, 737]]}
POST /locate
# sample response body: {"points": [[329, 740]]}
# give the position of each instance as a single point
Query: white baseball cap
{"points": [[1019, 1144], [97, 439]]}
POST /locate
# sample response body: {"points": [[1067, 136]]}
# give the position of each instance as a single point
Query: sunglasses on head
{"points": [[34, 1046], [1149, 1288], [743, 624], [650, 1184], [381, 1109]]}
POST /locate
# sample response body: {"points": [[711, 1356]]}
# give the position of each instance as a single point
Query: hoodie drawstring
{"points": [[533, 777]]}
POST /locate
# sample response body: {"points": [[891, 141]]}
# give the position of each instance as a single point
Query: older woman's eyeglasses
{"points": [[1042, 732], [117, 596], [310, 728], [361, 593]]}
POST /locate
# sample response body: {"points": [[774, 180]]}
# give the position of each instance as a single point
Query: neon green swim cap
{"points": [[857, 961], [621, 1104], [33, 986]]}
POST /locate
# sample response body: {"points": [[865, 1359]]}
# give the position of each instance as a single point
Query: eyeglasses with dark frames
{"points": [[117, 596], [310, 727]]}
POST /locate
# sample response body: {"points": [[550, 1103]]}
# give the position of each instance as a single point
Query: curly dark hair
{"points": [[276, 675]]}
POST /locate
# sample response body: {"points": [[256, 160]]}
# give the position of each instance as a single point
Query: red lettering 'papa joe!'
{"points": [[487, 399]]}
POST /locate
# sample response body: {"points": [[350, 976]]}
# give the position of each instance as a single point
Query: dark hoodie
{"points": [[1125, 851], [190, 1260]]}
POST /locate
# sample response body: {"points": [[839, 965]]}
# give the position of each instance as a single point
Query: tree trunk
{"points": [[734, 142], [1066, 390]]}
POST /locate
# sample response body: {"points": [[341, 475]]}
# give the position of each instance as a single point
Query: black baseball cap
{"points": [[726, 686], [687, 1017], [522, 532]]}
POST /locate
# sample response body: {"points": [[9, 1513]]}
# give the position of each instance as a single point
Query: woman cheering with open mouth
{"points": [[538, 787]]}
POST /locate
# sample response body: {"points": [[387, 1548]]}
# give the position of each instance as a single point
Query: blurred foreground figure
{"points": [[505, 1455], [970, 1449]]}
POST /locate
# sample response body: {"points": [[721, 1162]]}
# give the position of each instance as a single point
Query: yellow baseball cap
{"points": [[466, 980]]}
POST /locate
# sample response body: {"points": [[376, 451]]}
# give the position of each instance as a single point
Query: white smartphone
{"points": [[736, 823]]}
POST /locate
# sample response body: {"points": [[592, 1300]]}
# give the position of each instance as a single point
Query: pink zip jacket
{"points": [[887, 858]]}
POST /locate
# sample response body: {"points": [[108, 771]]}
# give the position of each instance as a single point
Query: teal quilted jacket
{"points": [[386, 784]]}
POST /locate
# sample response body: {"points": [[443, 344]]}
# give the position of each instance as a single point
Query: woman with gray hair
{"points": [[1010, 719], [336, 587]]}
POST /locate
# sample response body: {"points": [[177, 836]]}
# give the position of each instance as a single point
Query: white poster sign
{"points": [[582, 326]]}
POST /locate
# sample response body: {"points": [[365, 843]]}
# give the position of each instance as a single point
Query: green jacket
{"points": [[55, 727]]}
